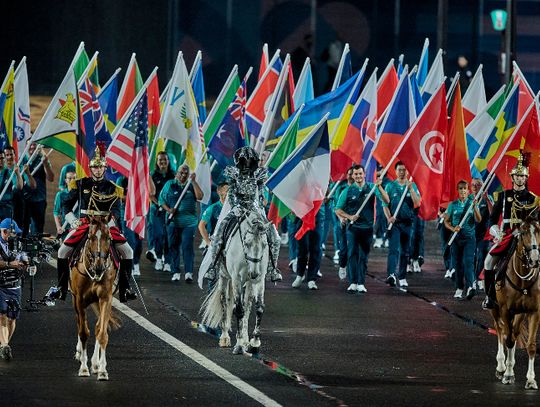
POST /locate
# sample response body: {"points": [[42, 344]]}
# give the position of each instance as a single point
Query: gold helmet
{"points": [[99, 159], [521, 167]]}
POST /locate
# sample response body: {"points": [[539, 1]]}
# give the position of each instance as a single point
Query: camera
{"points": [[33, 249]]}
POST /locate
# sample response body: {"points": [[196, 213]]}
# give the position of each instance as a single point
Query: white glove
{"points": [[72, 220], [495, 231]]}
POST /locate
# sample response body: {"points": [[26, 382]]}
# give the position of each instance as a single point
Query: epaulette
{"points": [[72, 185], [119, 191]]}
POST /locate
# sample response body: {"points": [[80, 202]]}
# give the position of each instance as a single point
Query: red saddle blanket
{"points": [[82, 231], [502, 247]]}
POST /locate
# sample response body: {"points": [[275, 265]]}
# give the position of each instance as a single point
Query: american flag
{"points": [[128, 154]]}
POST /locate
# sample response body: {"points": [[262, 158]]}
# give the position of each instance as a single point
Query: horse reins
{"points": [[531, 276]]}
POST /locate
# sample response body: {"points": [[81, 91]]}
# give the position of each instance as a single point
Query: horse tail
{"points": [[114, 320], [212, 307]]}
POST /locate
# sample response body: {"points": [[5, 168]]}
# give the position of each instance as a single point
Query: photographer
{"points": [[11, 270]]}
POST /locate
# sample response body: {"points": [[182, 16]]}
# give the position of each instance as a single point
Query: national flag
{"points": [[257, 105], [131, 85], [480, 127], [344, 71], [423, 153], [302, 180], [474, 99], [423, 63], [401, 114], [434, 77], [417, 96], [231, 134], [526, 139], [154, 115], [386, 88], [455, 154], [197, 83], [400, 65], [303, 91], [7, 109], [107, 99], [86, 139], [504, 126], [21, 129], [80, 66], [526, 95], [60, 123], [264, 62], [361, 132]]}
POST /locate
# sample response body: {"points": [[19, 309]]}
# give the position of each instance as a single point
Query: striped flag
{"points": [[128, 153]]}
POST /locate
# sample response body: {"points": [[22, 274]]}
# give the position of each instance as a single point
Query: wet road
{"points": [[387, 347]]}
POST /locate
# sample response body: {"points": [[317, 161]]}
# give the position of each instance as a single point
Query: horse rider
{"points": [[246, 193], [514, 206], [95, 196]]}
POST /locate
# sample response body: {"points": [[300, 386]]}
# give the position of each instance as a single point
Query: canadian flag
{"points": [[423, 152]]}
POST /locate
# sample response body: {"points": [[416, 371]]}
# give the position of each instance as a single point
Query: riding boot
{"points": [[273, 247], [490, 301], [63, 280], [124, 292]]}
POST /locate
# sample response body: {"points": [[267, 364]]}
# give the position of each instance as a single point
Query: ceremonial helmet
{"points": [[246, 159], [99, 158], [521, 167]]}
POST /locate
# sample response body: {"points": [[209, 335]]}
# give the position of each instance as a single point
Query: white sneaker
{"points": [[409, 268], [167, 267], [378, 243], [136, 270], [312, 286], [323, 247], [294, 265], [449, 273], [459, 293], [159, 265], [319, 274], [284, 238], [403, 283], [352, 288], [188, 277], [386, 243], [480, 284], [416, 266], [336, 257], [342, 273], [297, 282], [175, 277], [361, 288]]}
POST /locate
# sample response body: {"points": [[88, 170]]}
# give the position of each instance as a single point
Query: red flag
{"points": [[457, 166], [526, 95], [264, 61], [386, 87], [423, 153]]}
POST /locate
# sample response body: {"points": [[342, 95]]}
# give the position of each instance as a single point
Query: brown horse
{"points": [[92, 282], [518, 312]]}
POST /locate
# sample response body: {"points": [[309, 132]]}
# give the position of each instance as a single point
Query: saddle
{"points": [[509, 249]]}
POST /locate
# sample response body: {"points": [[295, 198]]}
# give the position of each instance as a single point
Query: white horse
{"points": [[240, 281]]}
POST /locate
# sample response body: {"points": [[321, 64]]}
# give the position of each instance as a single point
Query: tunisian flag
{"points": [[423, 152], [455, 154]]}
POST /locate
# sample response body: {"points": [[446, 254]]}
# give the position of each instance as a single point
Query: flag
{"points": [[107, 99], [21, 129], [344, 71], [417, 96], [7, 109], [154, 115], [86, 139], [60, 123], [400, 116], [526, 139], [360, 134], [423, 153], [526, 95], [257, 105], [331, 102], [264, 62], [421, 75], [302, 180], [386, 88], [197, 83], [400, 65], [131, 86], [434, 77], [455, 154], [504, 126], [478, 130], [474, 99], [303, 92], [232, 134]]}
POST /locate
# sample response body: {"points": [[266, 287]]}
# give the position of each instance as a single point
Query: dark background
{"points": [[233, 31]]}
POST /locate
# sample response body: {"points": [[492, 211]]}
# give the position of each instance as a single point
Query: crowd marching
{"points": [[401, 159]]}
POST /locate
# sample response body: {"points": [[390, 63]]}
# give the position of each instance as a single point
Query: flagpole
{"points": [[266, 72], [339, 72], [452, 89], [221, 96], [431, 71], [87, 69], [18, 164], [19, 67], [302, 76], [194, 67], [400, 203]]}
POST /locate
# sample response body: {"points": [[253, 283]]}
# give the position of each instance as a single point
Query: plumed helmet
{"points": [[522, 166], [246, 159], [99, 156]]}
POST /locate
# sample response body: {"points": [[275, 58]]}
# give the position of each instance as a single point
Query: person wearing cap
{"points": [[95, 196], [11, 269], [514, 206]]}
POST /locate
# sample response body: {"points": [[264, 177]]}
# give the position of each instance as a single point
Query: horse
{"points": [[241, 279], [518, 296], [92, 282]]}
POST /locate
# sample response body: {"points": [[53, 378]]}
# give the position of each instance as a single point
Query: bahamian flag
{"points": [[505, 124], [197, 83]]}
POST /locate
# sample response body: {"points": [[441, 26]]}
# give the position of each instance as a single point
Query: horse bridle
{"points": [[247, 257], [526, 259]]}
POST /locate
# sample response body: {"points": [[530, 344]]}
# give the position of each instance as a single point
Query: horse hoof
{"points": [[238, 350], [499, 375], [95, 369], [509, 379], [103, 376], [84, 372], [224, 343], [531, 384]]}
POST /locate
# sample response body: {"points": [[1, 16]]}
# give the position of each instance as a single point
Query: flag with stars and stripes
{"points": [[128, 154]]}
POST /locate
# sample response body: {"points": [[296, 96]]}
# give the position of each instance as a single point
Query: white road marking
{"points": [[196, 356]]}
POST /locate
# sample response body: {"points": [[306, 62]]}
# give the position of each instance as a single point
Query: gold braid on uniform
{"points": [[97, 198], [523, 208]]}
